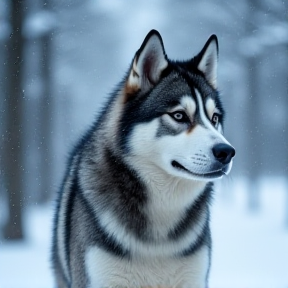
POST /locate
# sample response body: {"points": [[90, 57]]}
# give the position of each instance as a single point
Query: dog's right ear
{"points": [[207, 60], [149, 62]]}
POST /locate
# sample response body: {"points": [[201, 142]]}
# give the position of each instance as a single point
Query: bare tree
{"points": [[45, 116], [13, 139], [253, 126], [286, 129]]}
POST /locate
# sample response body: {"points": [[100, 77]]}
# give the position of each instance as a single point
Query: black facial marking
{"points": [[166, 129]]}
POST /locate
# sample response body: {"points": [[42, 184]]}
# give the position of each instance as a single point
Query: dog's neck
{"points": [[169, 197]]}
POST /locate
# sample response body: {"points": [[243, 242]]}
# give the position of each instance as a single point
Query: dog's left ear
{"points": [[149, 62], [207, 60]]}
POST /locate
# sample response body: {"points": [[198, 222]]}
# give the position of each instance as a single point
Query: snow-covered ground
{"points": [[26, 264], [250, 249]]}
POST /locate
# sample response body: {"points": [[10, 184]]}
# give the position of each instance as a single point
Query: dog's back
{"points": [[133, 210]]}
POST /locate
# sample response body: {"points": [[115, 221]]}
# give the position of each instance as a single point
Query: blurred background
{"points": [[59, 60]]}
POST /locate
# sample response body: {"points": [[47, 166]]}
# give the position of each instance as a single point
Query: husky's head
{"points": [[172, 116]]}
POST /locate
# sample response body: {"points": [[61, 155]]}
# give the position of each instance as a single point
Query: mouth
{"points": [[209, 175]]}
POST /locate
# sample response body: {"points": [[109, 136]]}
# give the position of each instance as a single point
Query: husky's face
{"points": [[173, 116]]}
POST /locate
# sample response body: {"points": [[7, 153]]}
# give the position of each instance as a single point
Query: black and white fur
{"points": [[133, 210]]}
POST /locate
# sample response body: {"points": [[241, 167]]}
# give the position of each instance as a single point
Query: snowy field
{"points": [[250, 249]]}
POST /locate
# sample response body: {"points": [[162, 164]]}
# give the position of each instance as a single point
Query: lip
{"points": [[208, 175]]}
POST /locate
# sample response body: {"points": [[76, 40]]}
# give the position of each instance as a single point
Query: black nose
{"points": [[223, 153]]}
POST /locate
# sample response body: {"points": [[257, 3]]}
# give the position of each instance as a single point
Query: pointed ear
{"points": [[149, 62], [208, 60]]}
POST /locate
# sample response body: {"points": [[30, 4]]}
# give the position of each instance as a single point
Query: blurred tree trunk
{"points": [[285, 6], [13, 139], [254, 133], [286, 130], [253, 126], [45, 118]]}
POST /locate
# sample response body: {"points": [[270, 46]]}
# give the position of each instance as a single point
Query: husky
{"points": [[133, 210]]}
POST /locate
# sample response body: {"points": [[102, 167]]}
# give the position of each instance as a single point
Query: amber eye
{"points": [[215, 119], [179, 116]]}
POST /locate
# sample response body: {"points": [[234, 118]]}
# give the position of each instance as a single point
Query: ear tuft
{"points": [[208, 60], [149, 62]]}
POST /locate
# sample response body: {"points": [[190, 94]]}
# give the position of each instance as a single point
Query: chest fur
{"points": [[105, 270]]}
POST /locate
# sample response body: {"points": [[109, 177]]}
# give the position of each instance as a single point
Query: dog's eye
{"points": [[215, 119], [179, 116]]}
